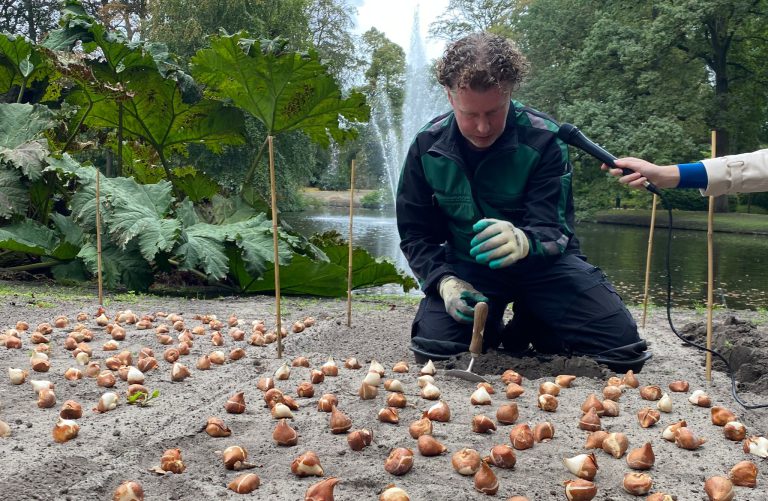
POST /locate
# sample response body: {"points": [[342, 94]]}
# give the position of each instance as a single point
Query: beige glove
{"points": [[460, 298], [498, 243]]}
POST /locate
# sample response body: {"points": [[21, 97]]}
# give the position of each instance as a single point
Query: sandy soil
{"points": [[335, 198], [125, 443]]}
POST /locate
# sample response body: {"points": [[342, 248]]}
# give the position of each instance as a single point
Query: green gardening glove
{"points": [[498, 243], [460, 298]]}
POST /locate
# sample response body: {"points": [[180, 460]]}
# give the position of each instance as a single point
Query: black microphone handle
{"points": [[570, 134]]}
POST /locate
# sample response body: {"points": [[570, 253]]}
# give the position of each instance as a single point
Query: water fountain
{"points": [[423, 101]]}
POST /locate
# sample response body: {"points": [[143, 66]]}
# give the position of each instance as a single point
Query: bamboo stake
{"points": [[648, 259], [710, 270], [273, 189], [98, 238], [349, 266]]}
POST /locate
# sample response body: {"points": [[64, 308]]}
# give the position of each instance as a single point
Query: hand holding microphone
{"points": [[570, 134], [642, 171]]}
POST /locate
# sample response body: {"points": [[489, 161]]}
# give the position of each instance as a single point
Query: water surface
{"points": [[740, 271]]}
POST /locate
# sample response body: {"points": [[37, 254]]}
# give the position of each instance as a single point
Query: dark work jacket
{"points": [[524, 178]]}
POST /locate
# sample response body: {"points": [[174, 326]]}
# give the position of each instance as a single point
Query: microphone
{"points": [[570, 134]]}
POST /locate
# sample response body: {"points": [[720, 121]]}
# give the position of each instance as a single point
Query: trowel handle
{"points": [[481, 313]]}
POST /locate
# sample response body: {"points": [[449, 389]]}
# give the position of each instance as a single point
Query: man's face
{"points": [[480, 115]]}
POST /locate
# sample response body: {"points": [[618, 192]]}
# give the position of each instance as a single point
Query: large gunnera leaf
{"points": [[13, 195], [21, 146], [284, 90], [21, 62], [119, 266]]}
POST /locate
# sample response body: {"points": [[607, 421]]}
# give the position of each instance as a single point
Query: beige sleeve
{"points": [[745, 173]]}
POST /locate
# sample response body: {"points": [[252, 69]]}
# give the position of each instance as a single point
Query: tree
{"points": [[31, 18], [463, 17], [386, 71], [330, 26], [126, 16]]}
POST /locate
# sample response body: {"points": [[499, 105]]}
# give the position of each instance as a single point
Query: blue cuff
{"points": [[693, 176]]}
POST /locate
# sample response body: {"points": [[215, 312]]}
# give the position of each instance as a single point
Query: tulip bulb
{"points": [[397, 400], [327, 402], [678, 386], [439, 412], [284, 434], [664, 404], [430, 392], [135, 376], [719, 489], [616, 444], [171, 461], [670, 431], [39, 385], [721, 416], [685, 439], [234, 456], [245, 483], [367, 391], [590, 421], [507, 413], [236, 403], [510, 376], [322, 490], [430, 446], [652, 393], [661, 496], [389, 415], [376, 367], [648, 417], [420, 427], [105, 379], [217, 357], [466, 461], [502, 456], [392, 493], [480, 397], [305, 390], [394, 385], [428, 369], [744, 474], [610, 408], [757, 446], [630, 379], [17, 376], [521, 437], [129, 491], [580, 490], [700, 398], [547, 402], [71, 410], [641, 458], [330, 368], [372, 378], [107, 402], [423, 380], [64, 430], [592, 402], [281, 411], [565, 380], [543, 432], [612, 393], [316, 376], [400, 367], [595, 439], [46, 399], [339, 422], [359, 439], [307, 465], [734, 431], [265, 383], [215, 427], [485, 480], [637, 484], [399, 461], [549, 388], [352, 363], [482, 424], [583, 466], [513, 390], [283, 372]]}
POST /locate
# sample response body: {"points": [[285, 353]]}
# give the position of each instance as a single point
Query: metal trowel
{"points": [[475, 346]]}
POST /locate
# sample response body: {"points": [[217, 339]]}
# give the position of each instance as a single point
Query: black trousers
{"points": [[565, 307]]}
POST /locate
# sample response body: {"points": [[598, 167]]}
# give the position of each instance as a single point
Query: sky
{"points": [[395, 19]]}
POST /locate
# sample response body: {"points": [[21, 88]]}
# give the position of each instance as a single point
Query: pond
{"points": [[741, 261]]}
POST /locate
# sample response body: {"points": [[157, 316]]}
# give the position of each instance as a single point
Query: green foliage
{"points": [[286, 91], [142, 399], [463, 17], [21, 63]]}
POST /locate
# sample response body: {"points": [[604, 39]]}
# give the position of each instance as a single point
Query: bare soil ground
{"points": [[125, 443]]}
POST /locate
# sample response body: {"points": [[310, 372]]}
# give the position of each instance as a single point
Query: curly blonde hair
{"points": [[480, 61]]}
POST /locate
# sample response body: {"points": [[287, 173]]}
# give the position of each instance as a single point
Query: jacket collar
{"points": [[450, 136]]}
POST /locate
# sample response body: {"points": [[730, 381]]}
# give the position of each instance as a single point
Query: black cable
{"points": [[728, 368]]}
